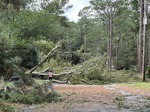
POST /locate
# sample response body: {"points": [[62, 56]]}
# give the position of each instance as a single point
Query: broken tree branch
{"points": [[44, 60]]}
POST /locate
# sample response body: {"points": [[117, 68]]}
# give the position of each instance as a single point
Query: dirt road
{"points": [[93, 98]]}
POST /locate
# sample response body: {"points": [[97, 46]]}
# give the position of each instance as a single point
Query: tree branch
{"points": [[44, 60]]}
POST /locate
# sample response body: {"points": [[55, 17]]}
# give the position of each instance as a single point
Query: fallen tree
{"points": [[45, 59], [54, 75], [91, 71], [74, 72]]}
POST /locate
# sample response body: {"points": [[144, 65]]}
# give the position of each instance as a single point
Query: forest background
{"points": [[106, 40]]}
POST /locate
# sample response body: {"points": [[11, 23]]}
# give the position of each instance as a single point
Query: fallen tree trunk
{"points": [[60, 82], [57, 76], [44, 60], [46, 74]]}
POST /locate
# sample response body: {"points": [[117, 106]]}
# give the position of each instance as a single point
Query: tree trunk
{"points": [[144, 39], [140, 37], [85, 38], [117, 49], [110, 47], [110, 43], [108, 53]]}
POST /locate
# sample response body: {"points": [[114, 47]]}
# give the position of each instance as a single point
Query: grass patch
{"points": [[139, 85]]}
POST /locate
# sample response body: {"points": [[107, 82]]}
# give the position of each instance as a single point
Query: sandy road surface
{"points": [[90, 98]]}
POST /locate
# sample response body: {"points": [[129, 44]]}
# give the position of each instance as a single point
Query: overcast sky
{"points": [[72, 13]]}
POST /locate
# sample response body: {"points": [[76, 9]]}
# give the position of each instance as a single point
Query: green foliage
{"points": [[9, 64], [126, 55], [121, 76], [6, 108], [8, 8], [12, 67], [53, 96], [31, 97], [15, 3], [113, 76], [31, 25], [27, 35], [55, 6], [56, 64], [35, 95], [27, 53], [15, 54], [26, 79], [44, 46], [5, 46], [94, 71]]}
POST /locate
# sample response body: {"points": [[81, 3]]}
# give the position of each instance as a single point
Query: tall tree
{"points": [[125, 31], [106, 11], [85, 16]]}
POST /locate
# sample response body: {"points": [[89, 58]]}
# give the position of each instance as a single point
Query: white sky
{"points": [[72, 13]]}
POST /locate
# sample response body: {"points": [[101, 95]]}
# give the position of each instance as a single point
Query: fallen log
{"points": [[60, 82], [54, 75]]}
